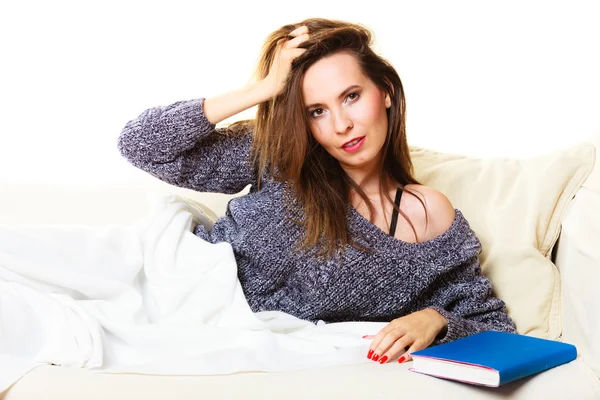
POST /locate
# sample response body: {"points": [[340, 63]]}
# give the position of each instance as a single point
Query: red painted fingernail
{"points": [[364, 337], [370, 354], [375, 357], [401, 359], [383, 360]]}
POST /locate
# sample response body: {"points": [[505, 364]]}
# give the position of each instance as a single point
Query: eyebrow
{"points": [[341, 96]]}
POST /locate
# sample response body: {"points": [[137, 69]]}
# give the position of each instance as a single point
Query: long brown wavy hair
{"points": [[284, 147]]}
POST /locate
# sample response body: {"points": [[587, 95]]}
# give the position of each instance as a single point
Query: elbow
{"points": [[128, 142]]}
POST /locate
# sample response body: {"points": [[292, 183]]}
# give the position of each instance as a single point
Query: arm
{"points": [[461, 305], [179, 145], [462, 295], [458, 300], [465, 300]]}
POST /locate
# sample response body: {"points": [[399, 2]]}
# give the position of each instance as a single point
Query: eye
{"points": [[317, 112], [353, 96]]}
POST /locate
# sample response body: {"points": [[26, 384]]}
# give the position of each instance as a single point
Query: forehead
{"points": [[330, 76]]}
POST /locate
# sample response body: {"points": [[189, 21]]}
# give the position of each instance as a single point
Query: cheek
{"points": [[370, 112], [317, 132], [322, 132]]}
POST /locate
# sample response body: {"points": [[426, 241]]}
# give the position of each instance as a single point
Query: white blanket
{"points": [[149, 298]]}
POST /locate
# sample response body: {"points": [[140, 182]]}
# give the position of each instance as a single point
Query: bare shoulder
{"points": [[438, 215]]}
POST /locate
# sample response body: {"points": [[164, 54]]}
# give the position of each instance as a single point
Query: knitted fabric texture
{"points": [[178, 145]]}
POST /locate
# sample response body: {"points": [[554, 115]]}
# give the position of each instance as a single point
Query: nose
{"points": [[342, 122]]}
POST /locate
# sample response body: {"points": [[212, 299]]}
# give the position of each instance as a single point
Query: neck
{"points": [[367, 175], [369, 179]]}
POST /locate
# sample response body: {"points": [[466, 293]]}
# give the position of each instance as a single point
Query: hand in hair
{"points": [[286, 52], [219, 108], [415, 331]]}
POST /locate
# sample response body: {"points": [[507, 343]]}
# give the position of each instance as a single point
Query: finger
{"points": [[299, 31], [406, 356], [294, 53], [395, 348], [368, 337], [386, 343], [287, 54], [383, 331], [295, 42], [280, 45], [290, 55], [399, 347], [377, 340]]}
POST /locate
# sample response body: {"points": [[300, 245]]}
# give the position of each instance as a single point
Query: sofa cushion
{"points": [[360, 381], [515, 207]]}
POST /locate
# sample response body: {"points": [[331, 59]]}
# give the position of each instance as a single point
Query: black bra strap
{"points": [[395, 213]]}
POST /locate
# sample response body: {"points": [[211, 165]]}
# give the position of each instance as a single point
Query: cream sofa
{"points": [[539, 224]]}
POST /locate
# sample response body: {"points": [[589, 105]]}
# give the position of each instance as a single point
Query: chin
{"points": [[358, 163]]}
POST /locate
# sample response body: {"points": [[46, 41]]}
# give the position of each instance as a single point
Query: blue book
{"points": [[492, 358]]}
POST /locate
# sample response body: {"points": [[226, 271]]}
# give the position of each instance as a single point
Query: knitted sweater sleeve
{"points": [[178, 145], [465, 299]]}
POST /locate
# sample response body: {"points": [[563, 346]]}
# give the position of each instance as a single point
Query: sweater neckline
{"points": [[381, 239]]}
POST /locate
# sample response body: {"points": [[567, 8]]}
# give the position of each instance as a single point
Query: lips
{"points": [[352, 142], [354, 145]]}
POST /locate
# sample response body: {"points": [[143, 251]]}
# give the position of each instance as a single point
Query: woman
{"points": [[319, 236]]}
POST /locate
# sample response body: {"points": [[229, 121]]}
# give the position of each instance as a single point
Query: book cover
{"points": [[492, 358]]}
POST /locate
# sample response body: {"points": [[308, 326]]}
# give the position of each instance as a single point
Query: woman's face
{"points": [[346, 111]]}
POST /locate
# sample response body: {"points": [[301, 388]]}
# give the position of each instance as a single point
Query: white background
{"points": [[509, 79]]}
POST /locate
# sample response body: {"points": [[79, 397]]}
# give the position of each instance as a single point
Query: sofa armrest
{"points": [[578, 260]]}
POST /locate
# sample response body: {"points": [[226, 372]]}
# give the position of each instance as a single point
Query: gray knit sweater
{"points": [[178, 145]]}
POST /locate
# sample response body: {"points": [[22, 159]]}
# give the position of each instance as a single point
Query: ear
{"points": [[388, 101]]}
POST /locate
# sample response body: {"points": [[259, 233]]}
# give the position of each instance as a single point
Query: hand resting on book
{"points": [[415, 331]]}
